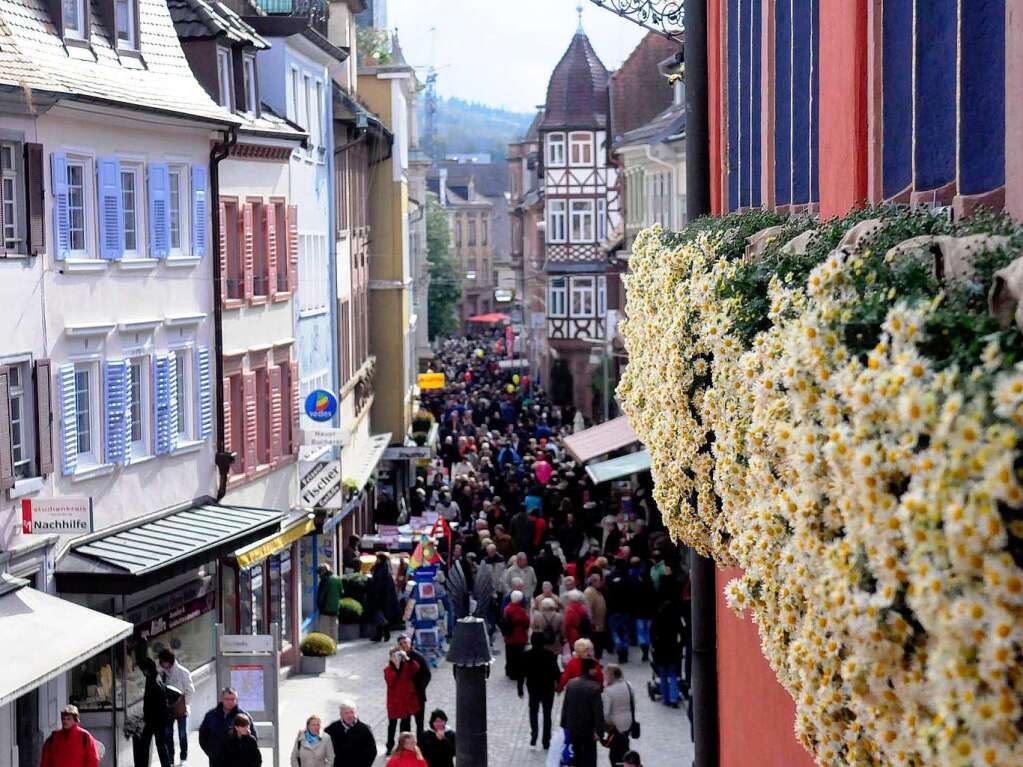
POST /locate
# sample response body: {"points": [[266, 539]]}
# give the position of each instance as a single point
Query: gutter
{"points": [[223, 459]]}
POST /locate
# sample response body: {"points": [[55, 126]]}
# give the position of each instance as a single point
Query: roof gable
{"points": [[577, 95], [639, 92]]}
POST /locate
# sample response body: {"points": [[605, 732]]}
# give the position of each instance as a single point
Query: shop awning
{"points": [[490, 318], [141, 553], [44, 636], [616, 468], [299, 527], [360, 468], [604, 438]]}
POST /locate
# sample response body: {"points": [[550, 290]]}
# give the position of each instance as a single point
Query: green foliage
{"points": [[350, 610], [465, 127], [445, 274], [373, 46], [353, 586], [317, 645]]}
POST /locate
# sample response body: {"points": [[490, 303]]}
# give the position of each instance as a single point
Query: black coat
{"points": [[240, 752], [214, 730], [383, 595], [353, 747], [548, 568], [154, 702], [582, 713], [666, 637], [422, 676], [437, 752], [540, 667]]}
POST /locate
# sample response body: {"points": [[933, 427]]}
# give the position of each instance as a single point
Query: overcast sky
{"points": [[502, 52]]}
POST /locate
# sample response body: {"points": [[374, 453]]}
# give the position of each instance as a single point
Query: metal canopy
{"points": [[603, 438], [135, 556], [616, 468]]}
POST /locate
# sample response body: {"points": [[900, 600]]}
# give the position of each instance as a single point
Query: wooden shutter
{"points": [[61, 221], [270, 242], [116, 409], [68, 418], [229, 445], [159, 210], [162, 402], [276, 415], [111, 208], [200, 208], [295, 406], [172, 400], [251, 446], [6, 441], [35, 199], [222, 246], [248, 252], [44, 418], [204, 399], [292, 248]]}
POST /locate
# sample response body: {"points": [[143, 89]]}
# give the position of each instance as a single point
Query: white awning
{"points": [[601, 439], [366, 459], [616, 468], [44, 636]]}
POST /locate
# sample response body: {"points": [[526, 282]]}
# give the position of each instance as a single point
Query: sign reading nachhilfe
{"points": [[319, 485], [70, 515]]}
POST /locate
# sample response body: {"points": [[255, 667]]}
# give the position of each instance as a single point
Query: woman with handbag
{"points": [[619, 713], [311, 748]]}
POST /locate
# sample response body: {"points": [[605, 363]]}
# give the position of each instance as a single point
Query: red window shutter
{"points": [[224, 266], [250, 459], [44, 418], [35, 198], [6, 445], [296, 406], [248, 249], [276, 415], [292, 248], [270, 241], [228, 431]]}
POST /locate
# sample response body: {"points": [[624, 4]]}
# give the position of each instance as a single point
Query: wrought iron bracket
{"points": [[665, 17]]}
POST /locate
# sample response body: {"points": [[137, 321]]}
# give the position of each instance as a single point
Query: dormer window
{"points": [[224, 76], [249, 76], [125, 13], [75, 23]]}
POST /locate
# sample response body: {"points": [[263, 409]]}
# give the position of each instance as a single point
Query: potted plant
{"points": [[315, 649], [350, 616], [422, 421]]}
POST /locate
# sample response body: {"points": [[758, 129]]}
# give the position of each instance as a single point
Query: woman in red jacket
{"points": [[407, 754], [577, 618], [583, 648], [402, 700], [515, 628], [71, 745]]}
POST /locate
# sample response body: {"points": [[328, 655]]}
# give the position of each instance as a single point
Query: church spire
{"points": [[579, 10]]}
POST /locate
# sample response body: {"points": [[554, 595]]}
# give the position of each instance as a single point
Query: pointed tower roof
{"points": [[577, 94]]}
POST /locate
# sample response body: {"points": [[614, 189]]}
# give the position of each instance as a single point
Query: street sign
{"points": [[326, 437], [321, 405], [431, 381], [246, 643], [319, 485], [70, 515], [406, 453]]}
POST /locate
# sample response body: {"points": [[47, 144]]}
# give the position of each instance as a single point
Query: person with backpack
{"points": [[71, 745], [548, 623], [541, 672], [311, 749], [515, 627], [155, 715], [577, 618]]}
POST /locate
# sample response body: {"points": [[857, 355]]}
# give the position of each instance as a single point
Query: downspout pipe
{"points": [[701, 569], [223, 458]]}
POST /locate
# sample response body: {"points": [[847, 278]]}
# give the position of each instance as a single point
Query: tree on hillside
{"points": [[445, 274]]}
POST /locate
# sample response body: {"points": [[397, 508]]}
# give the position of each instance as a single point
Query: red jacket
{"points": [[70, 748], [539, 529], [516, 614], [573, 614], [406, 758], [402, 700], [574, 668]]}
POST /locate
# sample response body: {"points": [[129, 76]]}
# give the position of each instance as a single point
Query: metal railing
{"points": [[317, 11]]}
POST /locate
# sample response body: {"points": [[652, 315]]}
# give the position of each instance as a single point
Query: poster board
{"points": [[251, 665]]}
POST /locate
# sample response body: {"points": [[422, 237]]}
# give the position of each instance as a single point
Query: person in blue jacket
{"points": [[218, 723]]}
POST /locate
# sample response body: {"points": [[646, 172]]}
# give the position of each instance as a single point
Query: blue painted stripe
{"points": [[935, 93], [815, 109], [982, 100], [783, 102], [733, 22], [803, 24], [756, 65], [745, 30], [897, 93]]}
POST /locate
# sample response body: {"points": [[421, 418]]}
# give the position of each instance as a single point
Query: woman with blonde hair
{"points": [[407, 753], [311, 748]]}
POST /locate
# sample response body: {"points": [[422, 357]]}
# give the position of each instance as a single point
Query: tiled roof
{"points": [[639, 92], [33, 58], [669, 123], [269, 123], [491, 178], [210, 18], [577, 92]]}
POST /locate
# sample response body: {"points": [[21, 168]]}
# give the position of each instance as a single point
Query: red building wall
{"points": [[755, 714]]}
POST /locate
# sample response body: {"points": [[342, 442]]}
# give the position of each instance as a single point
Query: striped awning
{"points": [[138, 554]]}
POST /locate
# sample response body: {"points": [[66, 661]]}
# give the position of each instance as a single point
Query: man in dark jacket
{"points": [[354, 745], [155, 714], [582, 714], [217, 723], [421, 680]]}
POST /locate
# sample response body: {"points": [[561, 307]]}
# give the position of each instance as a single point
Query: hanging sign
{"points": [[326, 437], [430, 381], [319, 485], [407, 453], [70, 515], [321, 405]]}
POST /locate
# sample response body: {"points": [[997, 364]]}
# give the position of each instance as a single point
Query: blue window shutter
{"points": [[117, 410], [126, 435], [172, 402], [205, 386], [159, 210], [111, 208], [161, 402], [68, 418], [61, 222], [200, 210]]}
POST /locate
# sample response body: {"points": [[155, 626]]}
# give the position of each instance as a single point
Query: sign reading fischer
{"points": [[320, 485], [71, 515]]}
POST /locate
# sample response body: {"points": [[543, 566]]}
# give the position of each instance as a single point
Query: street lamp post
{"points": [[470, 658]]}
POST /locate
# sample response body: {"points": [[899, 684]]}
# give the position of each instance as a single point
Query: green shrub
{"points": [[350, 611], [354, 587], [317, 645]]}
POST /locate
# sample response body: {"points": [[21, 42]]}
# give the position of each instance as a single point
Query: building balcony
{"points": [[316, 11]]}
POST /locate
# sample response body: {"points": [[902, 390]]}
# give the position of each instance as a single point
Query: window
{"points": [[131, 202], [313, 273], [226, 75], [581, 148], [472, 233], [139, 373], [10, 236], [22, 443], [124, 20], [86, 413], [582, 220], [77, 197], [318, 112], [556, 220], [556, 149], [486, 231], [183, 376], [232, 244], [557, 297], [262, 416], [458, 233], [601, 296], [582, 297], [281, 235], [178, 196], [307, 120], [74, 18], [601, 219], [296, 97], [249, 74], [260, 260]]}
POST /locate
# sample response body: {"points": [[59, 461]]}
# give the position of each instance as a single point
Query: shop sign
{"points": [[69, 515], [320, 485], [503, 295], [431, 381], [321, 405], [407, 453], [326, 437], [176, 616]]}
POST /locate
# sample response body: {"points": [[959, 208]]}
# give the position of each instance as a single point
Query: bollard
{"points": [[470, 658]]}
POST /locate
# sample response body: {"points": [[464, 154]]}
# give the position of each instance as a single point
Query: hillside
{"points": [[467, 127]]}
